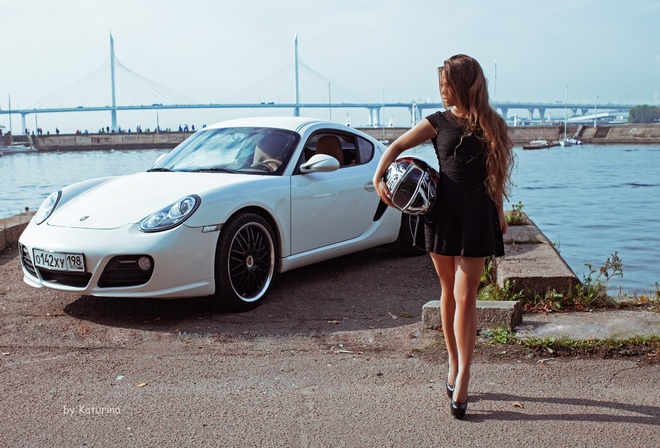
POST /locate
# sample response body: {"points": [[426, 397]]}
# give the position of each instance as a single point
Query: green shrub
{"points": [[593, 289], [516, 217]]}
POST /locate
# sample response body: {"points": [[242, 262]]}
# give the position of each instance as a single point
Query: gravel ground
{"points": [[337, 356]]}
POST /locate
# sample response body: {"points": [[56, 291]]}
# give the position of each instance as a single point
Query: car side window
{"points": [[340, 146], [366, 150]]}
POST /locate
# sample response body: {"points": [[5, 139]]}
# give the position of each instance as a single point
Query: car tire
{"points": [[245, 262], [404, 245]]}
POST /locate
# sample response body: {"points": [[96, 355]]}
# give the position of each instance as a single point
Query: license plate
{"points": [[56, 261]]}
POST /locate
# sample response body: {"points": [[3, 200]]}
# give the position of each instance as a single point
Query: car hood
{"points": [[128, 199]]}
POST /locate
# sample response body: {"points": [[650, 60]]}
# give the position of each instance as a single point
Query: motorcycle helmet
{"points": [[412, 184]]}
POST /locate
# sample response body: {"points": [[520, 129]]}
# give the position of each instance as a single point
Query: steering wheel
{"points": [[271, 164]]}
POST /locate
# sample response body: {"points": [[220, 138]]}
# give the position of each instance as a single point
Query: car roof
{"points": [[280, 122]]}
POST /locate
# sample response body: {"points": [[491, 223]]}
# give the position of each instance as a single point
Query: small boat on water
{"points": [[567, 141], [540, 144], [16, 148], [570, 142]]}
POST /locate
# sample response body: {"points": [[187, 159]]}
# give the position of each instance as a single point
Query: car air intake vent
{"points": [[77, 280], [26, 260], [127, 270]]}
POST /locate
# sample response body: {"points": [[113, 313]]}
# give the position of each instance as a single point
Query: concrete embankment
{"points": [[142, 140], [11, 229], [613, 134]]}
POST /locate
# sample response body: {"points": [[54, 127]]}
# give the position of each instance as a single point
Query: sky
{"points": [[210, 51]]}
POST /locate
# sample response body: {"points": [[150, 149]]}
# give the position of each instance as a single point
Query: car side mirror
{"points": [[320, 163]]}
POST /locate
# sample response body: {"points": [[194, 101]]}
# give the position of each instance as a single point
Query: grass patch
{"points": [[648, 302], [493, 291], [649, 346], [500, 336]]}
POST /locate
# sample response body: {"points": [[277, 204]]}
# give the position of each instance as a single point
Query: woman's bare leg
{"points": [[444, 266], [467, 275]]}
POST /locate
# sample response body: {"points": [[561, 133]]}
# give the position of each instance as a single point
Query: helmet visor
{"points": [[408, 186]]}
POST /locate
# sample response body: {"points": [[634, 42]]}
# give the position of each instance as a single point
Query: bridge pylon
{"points": [[296, 109], [113, 111]]}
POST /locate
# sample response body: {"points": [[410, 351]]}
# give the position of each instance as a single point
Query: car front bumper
{"points": [[183, 258]]}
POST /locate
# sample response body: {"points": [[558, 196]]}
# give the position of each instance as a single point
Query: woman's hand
{"points": [[504, 225], [383, 192]]}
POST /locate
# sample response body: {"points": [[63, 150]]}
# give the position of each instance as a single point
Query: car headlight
{"points": [[172, 215], [47, 206]]}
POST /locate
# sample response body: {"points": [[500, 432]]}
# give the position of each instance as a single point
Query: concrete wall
{"points": [[624, 133], [109, 141], [11, 229], [519, 135], [612, 134], [629, 133]]}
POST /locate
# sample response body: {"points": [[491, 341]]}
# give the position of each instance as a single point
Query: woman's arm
{"points": [[417, 135]]}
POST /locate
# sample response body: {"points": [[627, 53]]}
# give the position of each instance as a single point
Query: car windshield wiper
{"points": [[154, 170], [215, 170]]}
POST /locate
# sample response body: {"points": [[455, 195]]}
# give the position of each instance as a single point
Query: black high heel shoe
{"points": [[450, 389], [458, 409]]}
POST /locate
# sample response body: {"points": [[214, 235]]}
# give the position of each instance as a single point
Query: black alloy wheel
{"points": [[245, 262]]}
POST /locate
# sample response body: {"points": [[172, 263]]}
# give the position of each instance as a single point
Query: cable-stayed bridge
{"points": [[113, 87]]}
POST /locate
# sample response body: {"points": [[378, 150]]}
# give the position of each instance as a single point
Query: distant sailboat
{"points": [[565, 142]]}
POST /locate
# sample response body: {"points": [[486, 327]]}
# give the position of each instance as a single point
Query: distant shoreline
{"points": [[603, 134]]}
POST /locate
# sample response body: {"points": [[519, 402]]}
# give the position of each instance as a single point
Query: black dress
{"points": [[464, 219]]}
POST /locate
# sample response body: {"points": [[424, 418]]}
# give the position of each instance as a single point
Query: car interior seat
{"points": [[269, 150], [331, 146]]}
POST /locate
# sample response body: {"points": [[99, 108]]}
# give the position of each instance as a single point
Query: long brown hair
{"points": [[465, 80]]}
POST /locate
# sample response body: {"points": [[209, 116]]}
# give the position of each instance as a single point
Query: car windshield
{"points": [[235, 150]]}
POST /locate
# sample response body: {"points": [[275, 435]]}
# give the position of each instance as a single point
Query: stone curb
{"points": [[490, 314], [532, 265], [11, 229], [606, 324]]}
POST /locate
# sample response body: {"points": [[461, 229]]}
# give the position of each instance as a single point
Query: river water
{"points": [[590, 200]]}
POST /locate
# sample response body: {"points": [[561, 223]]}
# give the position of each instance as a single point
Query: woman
{"points": [[467, 221]]}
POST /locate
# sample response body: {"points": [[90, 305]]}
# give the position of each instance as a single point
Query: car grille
{"points": [[26, 260], [75, 279], [123, 270]]}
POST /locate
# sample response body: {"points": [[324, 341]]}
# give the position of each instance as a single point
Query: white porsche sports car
{"points": [[220, 214]]}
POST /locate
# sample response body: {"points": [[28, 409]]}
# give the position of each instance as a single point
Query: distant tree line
{"points": [[644, 114]]}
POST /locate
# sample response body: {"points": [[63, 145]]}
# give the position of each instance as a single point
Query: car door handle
{"points": [[369, 186]]}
